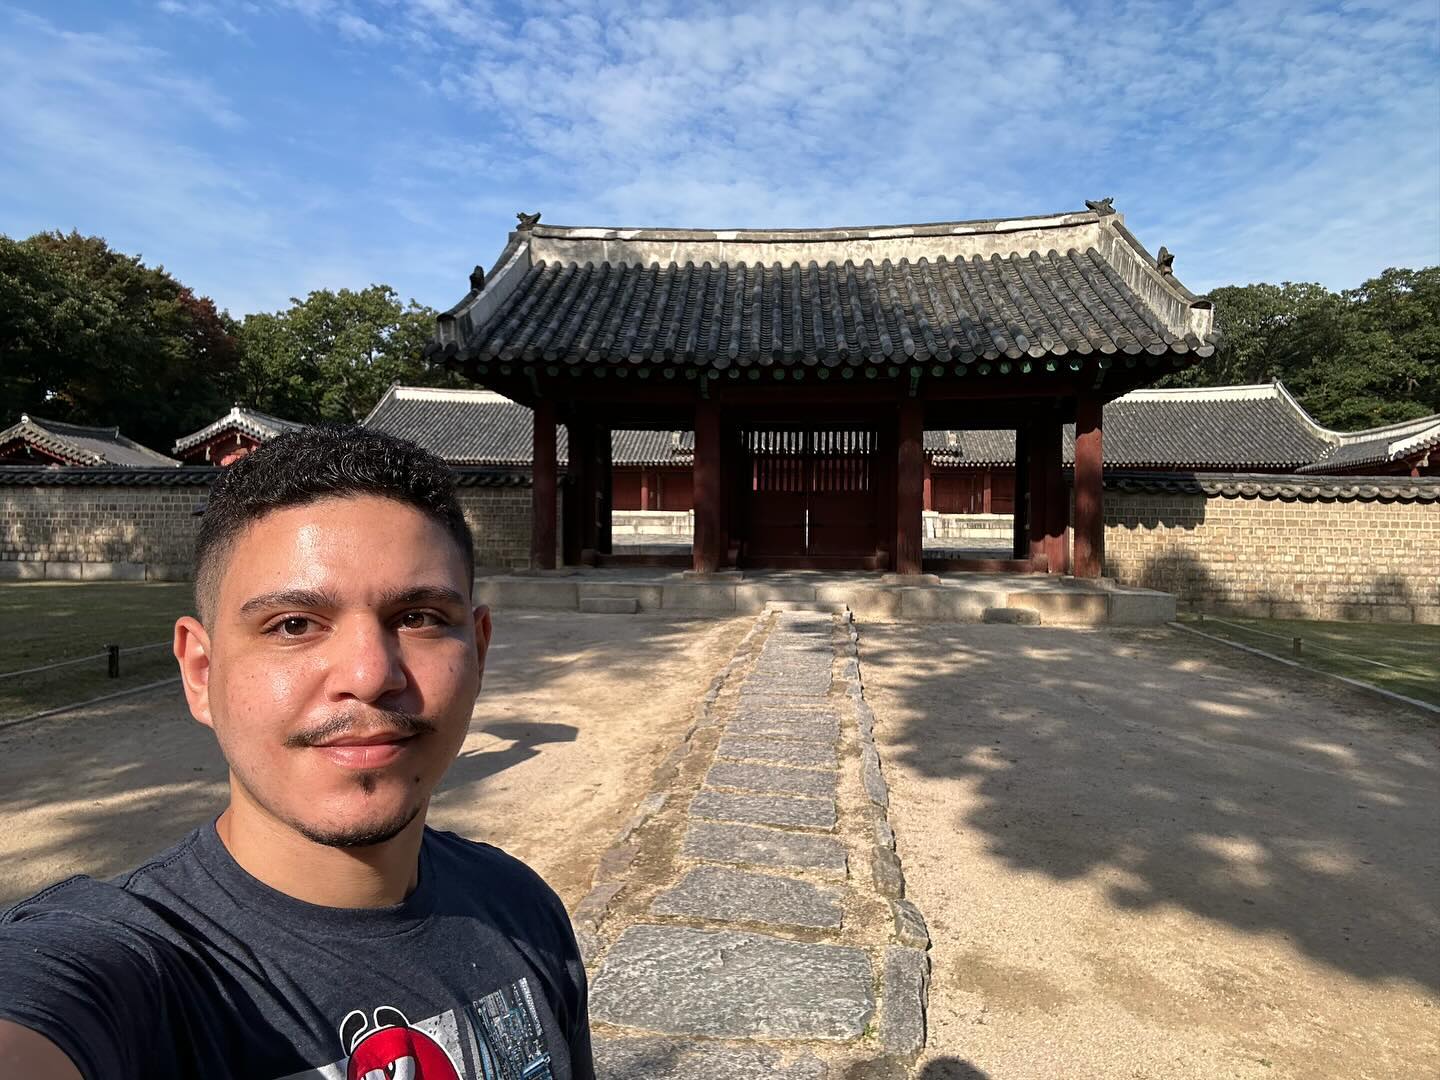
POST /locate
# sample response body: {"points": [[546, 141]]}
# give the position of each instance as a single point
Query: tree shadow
{"points": [[950, 1068], [1190, 774], [99, 790]]}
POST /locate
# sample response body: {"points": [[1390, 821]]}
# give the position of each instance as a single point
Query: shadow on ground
{"points": [[98, 790], [1212, 780]]}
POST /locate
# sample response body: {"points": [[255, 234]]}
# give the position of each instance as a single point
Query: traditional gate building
{"points": [[809, 363]]}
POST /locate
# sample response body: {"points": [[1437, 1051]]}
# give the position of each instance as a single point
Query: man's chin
{"points": [[358, 833]]}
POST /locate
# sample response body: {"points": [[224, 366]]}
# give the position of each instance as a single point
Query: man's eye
{"points": [[295, 626], [419, 620]]}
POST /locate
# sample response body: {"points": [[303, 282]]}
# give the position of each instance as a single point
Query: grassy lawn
{"points": [[1409, 653], [43, 622]]}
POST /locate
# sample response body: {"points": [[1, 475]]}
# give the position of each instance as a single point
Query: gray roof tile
{"points": [[78, 444]]}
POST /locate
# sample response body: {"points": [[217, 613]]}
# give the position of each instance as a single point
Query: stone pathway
{"points": [[750, 919]]}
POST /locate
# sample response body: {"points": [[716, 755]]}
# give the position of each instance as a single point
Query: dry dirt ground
{"points": [[576, 712], [1143, 855]]}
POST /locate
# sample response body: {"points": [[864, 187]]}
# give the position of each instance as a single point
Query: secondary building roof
{"points": [[259, 426], [52, 443], [1041, 292], [1259, 427], [481, 427]]}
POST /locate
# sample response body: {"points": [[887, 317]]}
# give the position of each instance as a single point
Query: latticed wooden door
{"points": [[811, 494]]}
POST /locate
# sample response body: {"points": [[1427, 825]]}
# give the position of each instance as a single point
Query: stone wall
{"points": [[140, 524], [1280, 547]]}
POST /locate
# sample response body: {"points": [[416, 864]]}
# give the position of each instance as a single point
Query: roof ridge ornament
{"points": [[1104, 207], [1165, 262], [477, 278], [527, 221]]}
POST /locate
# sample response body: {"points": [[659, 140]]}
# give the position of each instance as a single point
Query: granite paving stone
{"points": [[726, 895], [777, 751], [907, 972], [726, 843], [677, 980], [772, 779], [786, 701], [784, 810], [779, 723], [666, 1059]]}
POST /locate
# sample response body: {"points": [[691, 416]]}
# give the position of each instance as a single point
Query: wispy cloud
{"points": [[1265, 139]]}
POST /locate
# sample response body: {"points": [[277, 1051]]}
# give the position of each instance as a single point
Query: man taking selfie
{"points": [[317, 927]]}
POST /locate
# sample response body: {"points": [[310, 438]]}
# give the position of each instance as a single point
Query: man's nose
{"points": [[366, 665]]}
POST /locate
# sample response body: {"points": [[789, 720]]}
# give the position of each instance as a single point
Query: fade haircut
{"points": [[326, 461]]}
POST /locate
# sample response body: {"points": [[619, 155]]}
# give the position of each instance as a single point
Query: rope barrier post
{"points": [[112, 653]]}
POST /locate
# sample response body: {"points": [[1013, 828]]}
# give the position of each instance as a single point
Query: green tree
{"points": [[331, 355], [93, 336], [1354, 359]]}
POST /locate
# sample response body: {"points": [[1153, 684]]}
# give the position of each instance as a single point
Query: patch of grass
{"points": [[1400, 657], [42, 622]]}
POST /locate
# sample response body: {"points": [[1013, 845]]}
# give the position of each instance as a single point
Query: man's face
{"points": [[343, 664]]}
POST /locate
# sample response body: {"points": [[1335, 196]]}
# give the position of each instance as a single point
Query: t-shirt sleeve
{"points": [[86, 984]]}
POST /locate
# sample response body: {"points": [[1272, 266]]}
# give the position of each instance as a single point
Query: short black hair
{"points": [[325, 461]]}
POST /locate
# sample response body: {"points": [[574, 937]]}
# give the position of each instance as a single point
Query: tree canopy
{"points": [[89, 335], [1354, 359]]}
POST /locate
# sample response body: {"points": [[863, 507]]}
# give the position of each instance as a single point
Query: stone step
{"points": [[752, 845], [772, 779], [609, 605], [789, 811], [729, 984], [777, 751], [725, 895], [815, 726], [1011, 616]]}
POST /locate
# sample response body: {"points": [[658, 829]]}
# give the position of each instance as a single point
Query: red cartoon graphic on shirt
{"points": [[392, 1049]]}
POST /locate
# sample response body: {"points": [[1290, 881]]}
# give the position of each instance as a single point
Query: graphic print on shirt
{"points": [[496, 1037], [392, 1049]]}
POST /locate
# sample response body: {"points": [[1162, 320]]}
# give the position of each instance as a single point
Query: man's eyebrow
{"points": [[289, 598], [423, 594]]}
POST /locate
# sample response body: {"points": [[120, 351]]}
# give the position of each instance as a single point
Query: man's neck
{"points": [[270, 851]]}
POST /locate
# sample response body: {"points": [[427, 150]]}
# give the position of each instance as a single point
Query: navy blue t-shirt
{"points": [[190, 967]]}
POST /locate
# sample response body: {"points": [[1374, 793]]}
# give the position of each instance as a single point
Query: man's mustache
{"points": [[404, 724]]}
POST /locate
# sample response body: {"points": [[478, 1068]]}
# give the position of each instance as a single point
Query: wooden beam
{"points": [[1036, 515], [705, 549], [543, 487], [1057, 501], [910, 489], [1089, 487]]}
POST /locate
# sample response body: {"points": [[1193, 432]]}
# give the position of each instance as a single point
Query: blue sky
{"points": [[263, 148]]}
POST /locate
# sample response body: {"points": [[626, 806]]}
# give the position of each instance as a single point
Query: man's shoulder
{"points": [[453, 853], [82, 900]]}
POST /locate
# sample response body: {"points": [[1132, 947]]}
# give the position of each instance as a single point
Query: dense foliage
{"points": [[92, 336], [1355, 359]]}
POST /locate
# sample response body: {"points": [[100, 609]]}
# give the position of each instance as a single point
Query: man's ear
{"points": [[482, 636], [191, 647]]}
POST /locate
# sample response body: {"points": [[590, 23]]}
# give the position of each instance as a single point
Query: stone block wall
{"points": [[134, 529], [98, 532], [1304, 558]]}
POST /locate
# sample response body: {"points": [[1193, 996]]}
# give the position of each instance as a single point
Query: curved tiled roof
{"points": [[77, 444], [203, 476], [1286, 488], [1382, 444], [256, 424], [946, 295]]}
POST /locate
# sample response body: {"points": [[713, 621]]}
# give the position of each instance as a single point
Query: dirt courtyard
{"points": [[1142, 855], [576, 712]]}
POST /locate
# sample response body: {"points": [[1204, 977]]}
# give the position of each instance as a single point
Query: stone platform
{"points": [[1029, 598]]}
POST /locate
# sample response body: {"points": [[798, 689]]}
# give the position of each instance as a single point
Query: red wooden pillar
{"points": [[985, 505], [929, 485], [1089, 487], [1036, 516], [705, 549], [883, 470], [644, 489], [1057, 504], [910, 489], [543, 487], [580, 505], [604, 487], [1020, 529]]}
